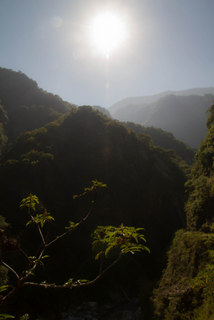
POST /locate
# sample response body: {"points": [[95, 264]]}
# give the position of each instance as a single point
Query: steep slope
{"points": [[24, 106], [186, 288], [102, 110], [184, 116], [145, 188], [58, 159], [165, 140]]}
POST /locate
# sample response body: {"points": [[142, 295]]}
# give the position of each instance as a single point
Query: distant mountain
{"points": [[181, 113], [149, 99], [102, 110]]}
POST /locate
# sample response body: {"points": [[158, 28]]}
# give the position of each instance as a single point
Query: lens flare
{"points": [[108, 32]]}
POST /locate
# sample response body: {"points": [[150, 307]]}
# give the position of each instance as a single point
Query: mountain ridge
{"points": [[183, 115], [152, 98]]}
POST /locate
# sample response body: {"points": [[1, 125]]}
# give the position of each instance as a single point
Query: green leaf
{"points": [[98, 184], [3, 288], [29, 202], [69, 283], [28, 223], [82, 280], [46, 256], [98, 255], [126, 239], [6, 316], [72, 226], [32, 257], [108, 249], [42, 218], [95, 185]]}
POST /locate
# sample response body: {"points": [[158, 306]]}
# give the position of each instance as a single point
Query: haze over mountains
{"points": [[183, 113]]}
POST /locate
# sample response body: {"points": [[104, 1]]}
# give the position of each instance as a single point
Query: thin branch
{"points": [[41, 234], [57, 238], [10, 268], [78, 223], [45, 285], [75, 284], [88, 214], [24, 253], [31, 270], [40, 231], [83, 284], [20, 280]]}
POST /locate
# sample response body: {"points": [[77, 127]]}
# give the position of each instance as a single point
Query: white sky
{"points": [[170, 47]]}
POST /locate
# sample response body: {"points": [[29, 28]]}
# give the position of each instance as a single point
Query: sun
{"points": [[108, 32]]}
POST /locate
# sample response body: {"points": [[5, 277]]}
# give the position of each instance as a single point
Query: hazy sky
{"points": [[170, 46]]}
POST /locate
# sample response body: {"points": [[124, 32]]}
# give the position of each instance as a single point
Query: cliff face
{"points": [[186, 288]]}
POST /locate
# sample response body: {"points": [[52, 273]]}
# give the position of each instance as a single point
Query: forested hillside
{"points": [[184, 116], [165, 140], [145, 188], [54, 150], [61, 158], [24, 106], [186, 288]]}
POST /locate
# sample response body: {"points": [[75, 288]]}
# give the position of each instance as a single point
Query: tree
{"points": [[105, 240]]}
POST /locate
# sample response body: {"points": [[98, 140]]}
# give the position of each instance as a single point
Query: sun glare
{"points": [[107, 32]]}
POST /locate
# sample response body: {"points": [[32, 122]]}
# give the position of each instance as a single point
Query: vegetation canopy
{"points": [[105, 239]]}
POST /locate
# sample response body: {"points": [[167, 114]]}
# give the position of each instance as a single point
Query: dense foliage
{"points": [[201, 183], [65, 155], [3, 270], [55, 161], [24, 106], [64, 149], [122, 239], [165, 140], [186, 288]]}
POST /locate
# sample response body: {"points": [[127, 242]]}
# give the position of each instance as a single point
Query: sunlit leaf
{"points": [[126, 239], [6, 316], [3, 288]]}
